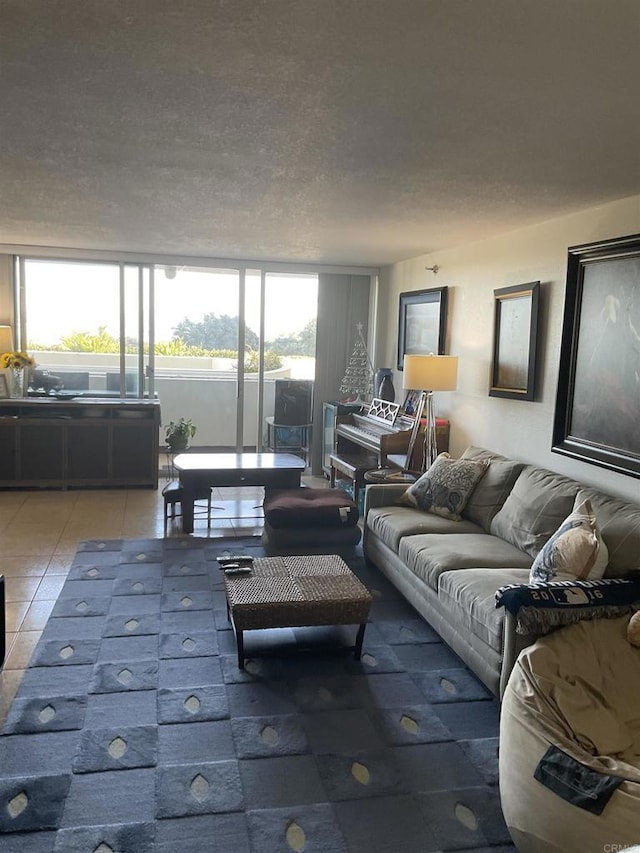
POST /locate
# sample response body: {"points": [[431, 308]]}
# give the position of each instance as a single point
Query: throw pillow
{"points": [[575, 551], [446, 487], [633, 630]]}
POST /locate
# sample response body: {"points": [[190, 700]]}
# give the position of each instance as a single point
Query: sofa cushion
{"points": [[446, 487], [493, 489], [300, 508], [539, 501], [574, 551], [469, 595], [393, 523], [429, 555], [619, 523]]}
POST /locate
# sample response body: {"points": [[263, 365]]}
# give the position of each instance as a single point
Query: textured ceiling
{"points": [[337, 131]]}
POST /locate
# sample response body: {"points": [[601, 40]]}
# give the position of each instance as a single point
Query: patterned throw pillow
{"points": [[446, 487], [575, 551]]}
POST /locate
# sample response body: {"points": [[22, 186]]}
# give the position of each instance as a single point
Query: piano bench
{"points": [[353, 467]]}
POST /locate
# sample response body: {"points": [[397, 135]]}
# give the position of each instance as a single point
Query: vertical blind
{"points": [[343, 302]]}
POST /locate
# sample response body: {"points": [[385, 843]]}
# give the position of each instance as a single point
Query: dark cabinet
{"points": [[8, 456], [40, 452], [87, 451], [84, 442], [129, 449]]}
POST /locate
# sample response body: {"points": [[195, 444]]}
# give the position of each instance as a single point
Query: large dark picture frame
{"points": [[422, 323], [598, 398], [515, 337]]}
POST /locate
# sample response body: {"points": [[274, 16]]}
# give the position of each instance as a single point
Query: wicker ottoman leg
{"points": [[357, 649], [239, 637], [240, 645]]}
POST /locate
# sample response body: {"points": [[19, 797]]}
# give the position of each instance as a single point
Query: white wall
{"points": [[514, 428]]}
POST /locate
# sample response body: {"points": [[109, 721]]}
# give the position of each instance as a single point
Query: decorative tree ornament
{"points": [[357, 382]]}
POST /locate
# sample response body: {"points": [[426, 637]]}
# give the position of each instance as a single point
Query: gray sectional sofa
{"points": [[450, 570]]}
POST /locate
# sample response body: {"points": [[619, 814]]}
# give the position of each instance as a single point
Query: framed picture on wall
{"points": [[515, 333], [422, 323], [598, 396]]}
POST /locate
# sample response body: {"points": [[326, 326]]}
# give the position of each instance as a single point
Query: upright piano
{"points": [[365, 441], [378, 439], [375, 435]]}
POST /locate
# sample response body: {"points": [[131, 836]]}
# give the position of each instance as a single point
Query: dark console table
{"points": [[200, 471], [79, 442]]}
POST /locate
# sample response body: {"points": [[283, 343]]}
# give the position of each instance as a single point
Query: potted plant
{"points": [[177, 434]]}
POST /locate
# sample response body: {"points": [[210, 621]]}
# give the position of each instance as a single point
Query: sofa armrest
{"points": [[383, 494], [569, 594], [540, 607]]}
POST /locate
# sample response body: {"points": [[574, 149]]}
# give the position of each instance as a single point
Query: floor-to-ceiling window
{"points": [[203, 317], [175, 331], [82, 320], [196, 347]]}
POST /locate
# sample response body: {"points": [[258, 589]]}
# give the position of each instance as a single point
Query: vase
{"points": [[16, 382], [383, 384]]}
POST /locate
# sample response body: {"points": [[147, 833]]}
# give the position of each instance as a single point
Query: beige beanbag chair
{"points": [[578, 689]]}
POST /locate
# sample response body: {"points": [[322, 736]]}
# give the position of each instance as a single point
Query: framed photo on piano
{"points": [[411, 403], [422, 323]]}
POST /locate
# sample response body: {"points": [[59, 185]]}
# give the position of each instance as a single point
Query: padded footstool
{"points": [[309, 521]]}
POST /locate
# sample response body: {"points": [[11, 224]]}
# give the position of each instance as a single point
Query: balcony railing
{"points": [[202, 389]]}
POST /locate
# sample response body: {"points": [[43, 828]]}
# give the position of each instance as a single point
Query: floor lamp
{"points": [[427, 373]]}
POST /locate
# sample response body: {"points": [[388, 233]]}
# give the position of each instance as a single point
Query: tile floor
{"points": [[40, 532]]}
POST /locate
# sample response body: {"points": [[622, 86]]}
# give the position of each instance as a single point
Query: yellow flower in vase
{"points": [[18, 363], [17, 359]]}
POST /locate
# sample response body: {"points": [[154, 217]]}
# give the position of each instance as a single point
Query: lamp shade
{"points": [[6, 339], [430, 372]]}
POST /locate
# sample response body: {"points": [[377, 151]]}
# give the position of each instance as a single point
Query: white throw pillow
{"points": [[575, 551]]}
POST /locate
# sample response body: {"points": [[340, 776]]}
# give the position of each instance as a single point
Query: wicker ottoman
{"points": [[310, 521], [288, 592]]}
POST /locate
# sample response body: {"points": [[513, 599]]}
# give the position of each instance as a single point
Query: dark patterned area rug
{"points": [[134, 731]]}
